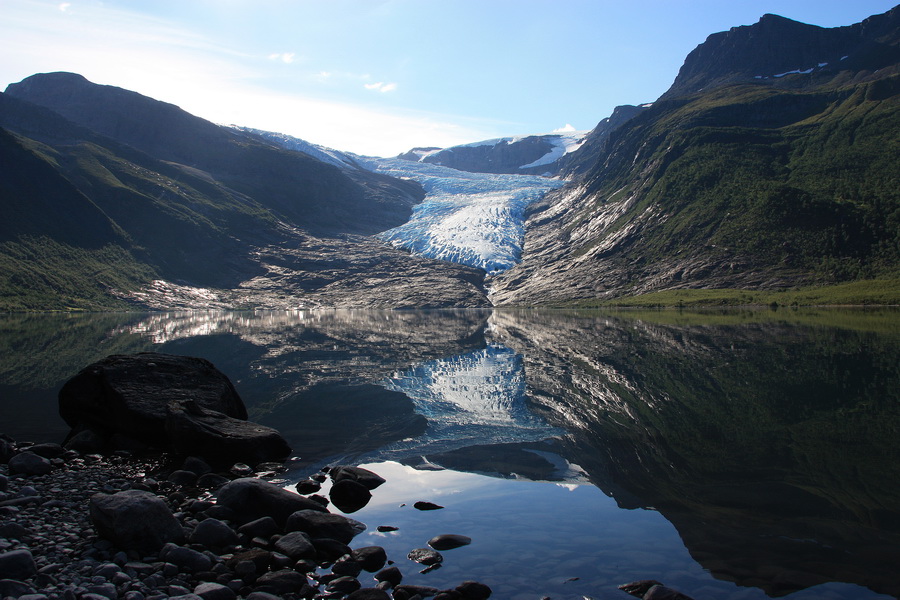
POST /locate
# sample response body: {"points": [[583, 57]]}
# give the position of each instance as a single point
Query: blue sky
{"points": [[378, 77]]}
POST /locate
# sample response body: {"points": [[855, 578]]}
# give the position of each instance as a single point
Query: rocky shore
{"points": [[102, 527]]}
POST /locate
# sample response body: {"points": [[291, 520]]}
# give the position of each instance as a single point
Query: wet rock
{"points": [[182, 478], [322, 524], [296, 545], [264, 527], [425, 556], [308, 486], [343, 585], [130, 394], [214, 591], [329, 550], [423, 505], [134, 520], [251, 499], [386, 528], [448, 541], [661, 592], [211, 481], [408, 591], [639, 588], [372, 558], [472, 590], [29, 463], [262, 596], [214, 534], [362, 476], [369, 594], [346, 565], [391, 575], [260, 558], [282, 582], [17, 564], [48, 450], [195, 430], [196, 465], [349, 495]]}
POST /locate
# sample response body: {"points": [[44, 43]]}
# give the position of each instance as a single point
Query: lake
{"points": [[740, 454]]}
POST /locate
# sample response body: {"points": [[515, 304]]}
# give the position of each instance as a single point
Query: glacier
{"points": [[475, 219]]}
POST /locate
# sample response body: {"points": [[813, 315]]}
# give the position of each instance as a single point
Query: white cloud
{"points": [[285, 57], [380, 86], [64, 6], [565, 129]]}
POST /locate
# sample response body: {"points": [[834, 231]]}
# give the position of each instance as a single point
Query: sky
{"points": [[379, 77]]}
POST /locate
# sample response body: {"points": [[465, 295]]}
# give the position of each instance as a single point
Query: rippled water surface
{"points": [[745, 454]]}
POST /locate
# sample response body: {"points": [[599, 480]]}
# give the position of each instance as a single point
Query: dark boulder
{"points": [[308, 486], [221, 439], [448, 541], [322, 524], [639, 588], [390, 575], [252, 499], [328, 550], [472, 590], [130, 394], [210, 590], [29, 463], [409, 591], [48, 450], [349, 495], [343, 585], [186, 558], [296, 545], [372, 558], [423, 505], [214, 534], [264, 527], [362, 476], [282, 582], [7, 450], [18, 564], [135, 520], [369, 594], [661, 592]]}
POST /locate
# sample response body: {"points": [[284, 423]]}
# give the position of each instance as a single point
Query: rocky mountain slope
{"points": [[770, 162], [117, 197]]}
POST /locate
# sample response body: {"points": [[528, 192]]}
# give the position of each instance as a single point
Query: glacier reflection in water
{"points": [[477, 397]]}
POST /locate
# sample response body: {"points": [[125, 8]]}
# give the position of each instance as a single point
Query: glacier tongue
{"points": [[476, 219]]}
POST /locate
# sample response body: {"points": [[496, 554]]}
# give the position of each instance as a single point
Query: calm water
{"points": [[730, 455]]}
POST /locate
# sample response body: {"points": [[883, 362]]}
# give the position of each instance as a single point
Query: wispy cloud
{"points": [[380, 86], [567, 128], [285, 57], [64, 6]]}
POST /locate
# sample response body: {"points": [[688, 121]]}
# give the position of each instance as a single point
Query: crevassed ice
{"points": [[475, 219]]}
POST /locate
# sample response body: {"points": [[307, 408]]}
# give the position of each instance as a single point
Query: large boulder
{"points": [[176, 403], [135, 520], [322, 524], [223, 440], [131, 394], [252, 499]]}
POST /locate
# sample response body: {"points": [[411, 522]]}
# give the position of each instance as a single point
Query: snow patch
{"points": [[333, 157]]}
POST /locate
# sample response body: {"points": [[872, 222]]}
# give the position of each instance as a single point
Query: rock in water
{"points": [[362, 476], [349, 495], [176, 403], [252, 499], [448, 541], [425, 556], [322, 524], [135, 520]]}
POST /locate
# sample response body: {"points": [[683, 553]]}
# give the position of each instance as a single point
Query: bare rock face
{"points": [[175, 403]]}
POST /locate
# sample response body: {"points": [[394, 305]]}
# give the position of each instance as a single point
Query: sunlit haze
{"points": [[379, 77]]}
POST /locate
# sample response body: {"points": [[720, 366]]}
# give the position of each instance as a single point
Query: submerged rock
{"points": [[448, 541], [425, 556]]}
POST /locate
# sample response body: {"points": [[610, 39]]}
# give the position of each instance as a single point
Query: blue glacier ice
{"points": [[475, 219]]}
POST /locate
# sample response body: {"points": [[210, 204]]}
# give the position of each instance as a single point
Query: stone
{"points": [[85, 441], [639, 588], [472, 590], [390, 574], [260, 558], [386, 528], [329, 550], [135, 520], [423, 505], [262, 596], [362, 476], [661, 592], [264, 527], [344, 585], [214, 591], [4, 483], [411, 590], [186, 558], [251, 499], [346, 565], [182, 478], [192, 429], [47, 450], [17, 564], [372, 558], [425, 556], [214, 534], [12, 588], [196, 465], [14, 531], [449, 541], [211, 481], [369, 594], [297, 545], [308, 486], [349, 495], [131, 394], [322, 524], [282, 582], [105, 590], [7, 451], [29, 463]]}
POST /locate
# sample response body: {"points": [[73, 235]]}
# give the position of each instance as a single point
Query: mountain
{"points": [[182, 212], [523, 155], [751, 171]]}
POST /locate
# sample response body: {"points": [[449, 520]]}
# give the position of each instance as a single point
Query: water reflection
{"points": [[766, 439]]}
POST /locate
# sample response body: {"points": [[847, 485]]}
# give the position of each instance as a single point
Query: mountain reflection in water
{"points": [[767, 439]]}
